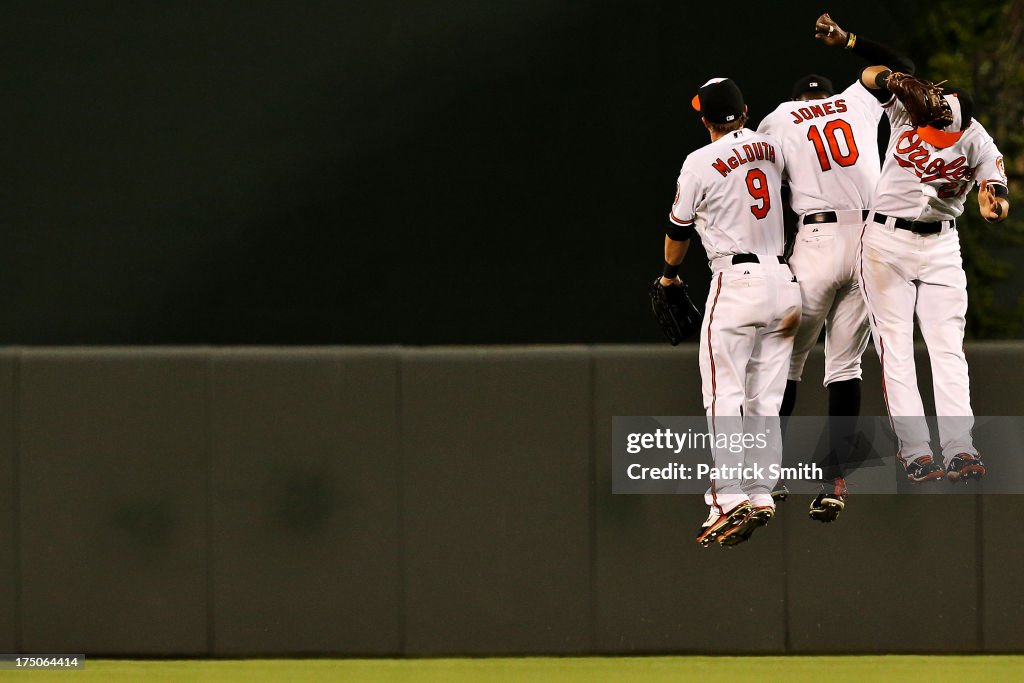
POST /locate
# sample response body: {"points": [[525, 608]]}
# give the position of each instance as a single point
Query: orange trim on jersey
{"points": [[938, 138], [678, 221], [695, 102]]}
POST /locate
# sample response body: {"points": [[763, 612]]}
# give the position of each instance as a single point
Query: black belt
{"points": [[750, 258], [829, 217], [915, 227]]}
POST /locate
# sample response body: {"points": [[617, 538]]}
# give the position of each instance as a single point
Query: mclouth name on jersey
{"points": [[755, 151]]}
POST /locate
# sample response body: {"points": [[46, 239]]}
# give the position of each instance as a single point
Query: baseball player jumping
{"points": [[830, 142], [911, 265], [729, 192]]}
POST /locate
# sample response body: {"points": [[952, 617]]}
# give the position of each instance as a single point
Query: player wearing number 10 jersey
{"points": [[832, 162]]}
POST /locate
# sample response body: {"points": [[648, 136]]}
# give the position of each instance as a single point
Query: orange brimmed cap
{"points": [[719, 100], [939, 138]]}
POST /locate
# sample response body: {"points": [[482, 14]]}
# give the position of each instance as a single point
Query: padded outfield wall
{"points": [[441, 501]]}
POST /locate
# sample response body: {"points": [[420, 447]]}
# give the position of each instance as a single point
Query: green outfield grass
{"points": [[569, 670]]}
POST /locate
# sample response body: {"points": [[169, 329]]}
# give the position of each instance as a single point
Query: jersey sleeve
{"points": [[688, 191], [990, 162], [897, 113], [768, 126], [780, 157], [866, 102]]}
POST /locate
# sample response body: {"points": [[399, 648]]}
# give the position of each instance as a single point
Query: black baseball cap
{"points": [[719, 101], [966, 103], [812, 83]]}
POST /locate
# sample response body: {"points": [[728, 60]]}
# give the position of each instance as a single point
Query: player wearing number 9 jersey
{"points": [[832, 164], [729, 193]]}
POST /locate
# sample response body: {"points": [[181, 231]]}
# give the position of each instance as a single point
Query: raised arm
{"points": [[829, 32]]}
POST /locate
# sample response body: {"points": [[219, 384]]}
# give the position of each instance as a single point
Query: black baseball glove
{"points": [[922, 99], [674, 311]]}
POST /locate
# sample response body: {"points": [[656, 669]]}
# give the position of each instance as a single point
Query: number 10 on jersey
{"points": [[830, 137]]}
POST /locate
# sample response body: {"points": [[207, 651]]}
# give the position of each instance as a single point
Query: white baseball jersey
{"points": [[831, 149], [924, 183], [908, 276], [730, 191]]}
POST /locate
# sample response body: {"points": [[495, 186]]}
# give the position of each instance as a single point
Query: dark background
{"points": [[387, 172]]}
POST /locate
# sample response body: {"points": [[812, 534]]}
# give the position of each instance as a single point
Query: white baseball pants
{"points": [[906, 275], [825, 261], [746, 343]]}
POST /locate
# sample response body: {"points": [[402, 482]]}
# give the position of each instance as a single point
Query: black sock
{"points": [[788, 399], [843, 409], [844, 398]]}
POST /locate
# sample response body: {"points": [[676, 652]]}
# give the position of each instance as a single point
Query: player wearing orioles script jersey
{"points": [[832, 165], [729, 192], [911, 267]]}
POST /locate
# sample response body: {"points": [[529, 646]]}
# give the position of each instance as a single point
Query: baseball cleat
{"points": [[780, 494], [717, 524], [827, 505], [758, 517], [965, 466], [924, 469]]}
